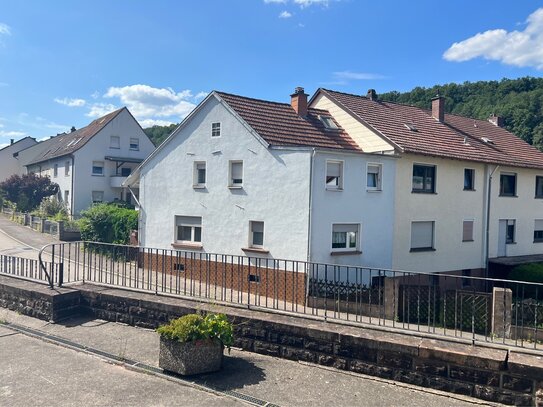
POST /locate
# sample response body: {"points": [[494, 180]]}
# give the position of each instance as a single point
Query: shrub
{"points": [[28, 190], [531, 273], [108, 223], [193, 327], [53, 209]]}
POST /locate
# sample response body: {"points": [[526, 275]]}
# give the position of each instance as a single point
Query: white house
{"points": [[9, 165], [342, 179], [466, 190], [90, 164]]}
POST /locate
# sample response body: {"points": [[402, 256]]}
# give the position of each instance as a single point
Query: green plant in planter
{"points": [[195, 327]]}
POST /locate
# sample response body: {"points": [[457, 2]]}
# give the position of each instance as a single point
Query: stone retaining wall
{"points": [[506, 376], [509, 377]]}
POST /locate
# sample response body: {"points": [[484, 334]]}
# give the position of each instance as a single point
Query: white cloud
{"points": [[152, 122], [71, 102], [5, 29], [2, 145], [308, 3], [518, 48], [201, 95], [275, 1], [100, 109], [12, 133], [285, 14], [95, 94], [146, 102], [348, 75]]}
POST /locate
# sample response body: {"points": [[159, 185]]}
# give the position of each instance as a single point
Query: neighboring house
{"points": [[342, 179], [466, 189], [9, 165], [90, 164]]}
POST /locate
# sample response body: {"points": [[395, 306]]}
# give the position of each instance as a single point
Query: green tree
{"points": [[158, 134], [28, 190]]}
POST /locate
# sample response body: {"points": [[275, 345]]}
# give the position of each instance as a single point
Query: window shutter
{"points": [[422, 235], [467, 230], [333, 169], [345, 228], [188, 220], [257, 226], [538, 224], [237, 170]]}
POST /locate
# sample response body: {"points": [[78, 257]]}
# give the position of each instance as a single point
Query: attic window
{"points": [[411, 126], [487, 140], [328, 122]]}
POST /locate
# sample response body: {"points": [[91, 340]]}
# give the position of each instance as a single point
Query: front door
{"points": [[502, 238]]}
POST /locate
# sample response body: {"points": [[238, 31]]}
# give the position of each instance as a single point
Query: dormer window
{"points": [[328, 122]]}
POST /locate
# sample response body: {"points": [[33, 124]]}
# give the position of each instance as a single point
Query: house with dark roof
{"points": [[466, 190], [343, 179], [9, 165], [90, 163]]}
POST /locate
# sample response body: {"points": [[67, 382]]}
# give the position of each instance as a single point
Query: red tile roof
{"points": [[457, 137], [279, 124], [67, 143]]}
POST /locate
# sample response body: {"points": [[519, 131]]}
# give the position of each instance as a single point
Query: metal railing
{"points": [[471, 308], [32, 269]]}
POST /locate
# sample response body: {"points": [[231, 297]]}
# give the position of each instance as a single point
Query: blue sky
{"points": [[64, 63]]}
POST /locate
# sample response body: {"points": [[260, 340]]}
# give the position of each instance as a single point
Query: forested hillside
{"points": [[158, 134], [518, 101]]}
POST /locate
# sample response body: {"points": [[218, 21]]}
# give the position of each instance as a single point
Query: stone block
{"points": [[519, 384], [394, 359], [371, 369], [465, 374], [430, 367], [524, 364], [266, 348]]}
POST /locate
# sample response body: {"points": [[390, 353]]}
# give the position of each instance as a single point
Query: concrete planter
{"points": [[190, 358]]}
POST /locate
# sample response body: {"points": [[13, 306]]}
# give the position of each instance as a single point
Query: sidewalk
{"points": [[264, 379]]}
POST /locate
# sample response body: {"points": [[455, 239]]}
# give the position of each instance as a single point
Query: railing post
{"points": [[60, 274], [502, 300]]}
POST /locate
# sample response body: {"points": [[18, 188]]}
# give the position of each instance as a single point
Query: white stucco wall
{"points": [[275, 189], [524, 209], [355, 204], [448, 208], [9, 165]]}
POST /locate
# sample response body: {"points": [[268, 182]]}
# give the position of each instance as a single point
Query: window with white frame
{"points": [[97, 168], [373, 177], [538, 230], [199, 175], [115, 142], [67, 168], [424, 178], [188, 229], [134, 143], [334, 175], [345, 236], [256, 238], [97, 197], [215, 129], [55, 171], [422, 236], [467, 230], [235, 174]]}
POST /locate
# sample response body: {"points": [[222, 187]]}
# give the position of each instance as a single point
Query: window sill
{"points": [[510, 242], [134, 149], [373, 190], [422, 249], [97, 175], [255, 250], [115, 148], [470, 190], [190, 246], [345, 252], [235, 186], [423, 192], [538, 241], [469, 240], [334, 189], [508, 196], [198, 186], [538, 197]]}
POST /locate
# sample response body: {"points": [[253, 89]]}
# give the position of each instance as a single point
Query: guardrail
{"points": [[474, 308]]}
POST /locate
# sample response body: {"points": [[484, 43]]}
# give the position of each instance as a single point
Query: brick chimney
{"points": [[372, 94], [496, 120], [438, 108], [298, 101]]}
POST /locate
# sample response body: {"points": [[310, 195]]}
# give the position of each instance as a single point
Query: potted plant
{"points": [[194, 343]]}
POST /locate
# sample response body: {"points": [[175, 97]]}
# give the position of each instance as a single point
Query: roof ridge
{"points": [[250, 98]]}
